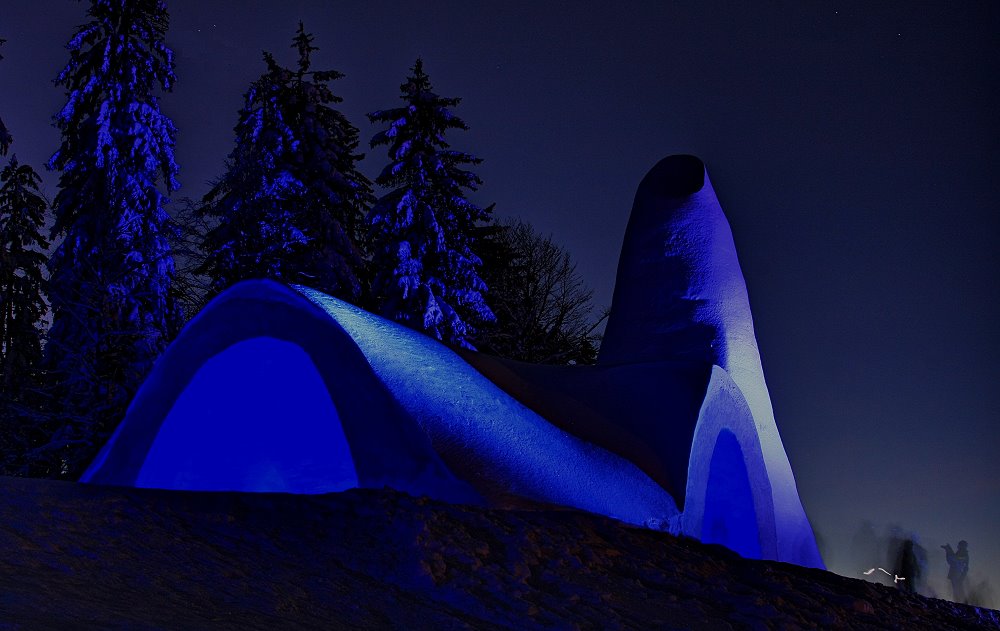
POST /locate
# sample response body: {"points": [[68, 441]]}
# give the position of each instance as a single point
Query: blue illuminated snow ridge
{"points": [[483, 433]]}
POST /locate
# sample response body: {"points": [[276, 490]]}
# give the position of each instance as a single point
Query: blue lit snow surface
{"points": [[255, 417], [485, 435], [730, 518]]}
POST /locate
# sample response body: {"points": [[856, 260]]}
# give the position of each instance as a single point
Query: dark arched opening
{"points": [[729, 517]]}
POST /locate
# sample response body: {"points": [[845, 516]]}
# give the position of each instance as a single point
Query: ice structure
{"points": [[261, 391], [356, 400], [680, 294], [276, 388]]}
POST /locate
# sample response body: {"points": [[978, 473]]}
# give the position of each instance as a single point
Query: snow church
{"points": [[284, 389]]}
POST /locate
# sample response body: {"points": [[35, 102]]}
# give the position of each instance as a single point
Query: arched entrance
{"points": [[729, 517], [255, 417]]}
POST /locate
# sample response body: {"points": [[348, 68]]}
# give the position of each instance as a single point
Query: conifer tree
{"points": [[5, 138], [112, 307], [22, 309], [22, 283], [291, 204], [425, 270]]}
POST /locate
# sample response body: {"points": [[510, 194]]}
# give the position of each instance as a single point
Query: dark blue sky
{"points": [[854, 147]]}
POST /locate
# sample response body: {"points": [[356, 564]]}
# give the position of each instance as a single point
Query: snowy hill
{"points": [[85, 556]]}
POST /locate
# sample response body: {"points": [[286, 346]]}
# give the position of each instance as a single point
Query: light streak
{"points": [[895, 577]]}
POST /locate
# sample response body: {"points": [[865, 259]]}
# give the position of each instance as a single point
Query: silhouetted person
{"points": [[894, 549], [920, 553], [907, 567], [958, 569]]}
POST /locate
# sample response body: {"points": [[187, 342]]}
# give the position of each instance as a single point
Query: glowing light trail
{"points": [[895, 577]]}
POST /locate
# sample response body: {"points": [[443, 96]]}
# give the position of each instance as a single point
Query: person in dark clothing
{"points": [[907, 567], [958, 569]]}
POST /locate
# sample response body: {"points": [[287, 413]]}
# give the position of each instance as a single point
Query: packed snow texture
{"points": [[680, 294], [385, 382], [643, 412], [685, 424], [487, 437], [729, 495]]}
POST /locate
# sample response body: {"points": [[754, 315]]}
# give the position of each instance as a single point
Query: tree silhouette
{"points": [[291, 204], [542, 306]]}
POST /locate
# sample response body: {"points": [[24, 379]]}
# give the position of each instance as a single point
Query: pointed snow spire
{"points": [[680, 295]]}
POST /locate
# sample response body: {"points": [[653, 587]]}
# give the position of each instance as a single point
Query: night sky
{"points": [[853, 145]]}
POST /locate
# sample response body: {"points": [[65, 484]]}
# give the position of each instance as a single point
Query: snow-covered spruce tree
{"points": [[5, 137], [291, 204], [112, 307], [421, 232]]}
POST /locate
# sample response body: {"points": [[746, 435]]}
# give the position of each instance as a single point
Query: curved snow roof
{"points": [[414, 415]]}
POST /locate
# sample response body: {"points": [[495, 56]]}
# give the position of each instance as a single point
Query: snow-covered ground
{"points": [[92, 557]]}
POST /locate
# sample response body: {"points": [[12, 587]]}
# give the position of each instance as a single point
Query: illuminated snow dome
{"points": [[278, 388], [263, 392]]}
